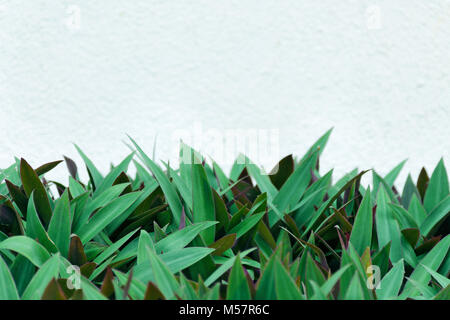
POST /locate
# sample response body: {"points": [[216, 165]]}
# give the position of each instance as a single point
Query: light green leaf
{"points": [[169, 191], [35, 229], [202, 201], [40, 280], [113, 248], [438, 187], [285, 286], [387, 226], [435, 217], [27, 247], [432, 260], [262, 180], [164, 278], [391, 283], [355, 290], [145, 245], [8, 290], [225, 267], [96, 175], [443, 281], [106, 215], [293, 189], [237, 283], [76, 189], [175, 261], [248, 223], [113, 174], [60, 224], [361, 235], [393, 174], [181, 238]]}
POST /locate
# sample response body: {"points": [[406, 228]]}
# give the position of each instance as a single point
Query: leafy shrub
{"points": [[196, 233]]}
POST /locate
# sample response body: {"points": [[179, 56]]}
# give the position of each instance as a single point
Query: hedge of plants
{"points": [[195, 232]]}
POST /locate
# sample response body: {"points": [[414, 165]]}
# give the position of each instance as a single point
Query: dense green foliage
{"points": [[196, 233]]}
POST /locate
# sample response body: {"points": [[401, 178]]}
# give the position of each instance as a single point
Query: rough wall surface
{"points": [[91, 71]]}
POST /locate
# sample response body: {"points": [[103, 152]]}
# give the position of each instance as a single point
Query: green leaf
{"points": [[285, 287], [203, 204], [106, 215], [164, 278], [422, 291], [136, 289], [169, 191], [175, 261], [145, 245], [391, 283], [37, 285], [108, 181], [8, 290], [247, 224], [443, 281], [393, 174], [403, 217], [90, 291], [293, 189], [312, 272], [27, 247], [237, 168], [262, 180], [76, 189], [35, 229], [60, 224], [331, 281], [417, 210], [113, 248], [181, 238], [318, 145], [144, 194], [225, 267], [93, 171], [312, 198], [387, 226], [102, 199], [438, 187], [361, 235], [183, 187], [355, 290], [237, 283], [184, 258], [409, 190], [328, 203], [379, 181], [22, 271], [435, 217], [432, 260]]}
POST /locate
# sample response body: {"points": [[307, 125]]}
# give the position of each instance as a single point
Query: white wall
{"points": [[147, 67]]}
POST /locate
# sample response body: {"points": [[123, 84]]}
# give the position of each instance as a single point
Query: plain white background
{"points": [[90, 71]]}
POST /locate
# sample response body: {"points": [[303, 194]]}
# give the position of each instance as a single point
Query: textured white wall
{"points": [[147, 67]]}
